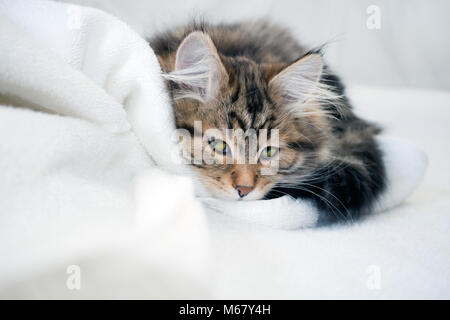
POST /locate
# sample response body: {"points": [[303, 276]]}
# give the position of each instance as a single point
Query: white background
{"points": [[410, 50]]}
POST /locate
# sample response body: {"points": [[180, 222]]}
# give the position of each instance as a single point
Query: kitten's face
{"points": [[242, 121]]}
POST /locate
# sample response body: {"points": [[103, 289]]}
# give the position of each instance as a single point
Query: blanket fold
{"points": [[78, 187]]}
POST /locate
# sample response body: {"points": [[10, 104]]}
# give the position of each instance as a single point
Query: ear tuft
{"points": [[198, 67], [299, 81]]}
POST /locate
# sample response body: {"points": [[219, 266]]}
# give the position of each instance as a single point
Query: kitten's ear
{"points": [[198, 66], [297, 82]]}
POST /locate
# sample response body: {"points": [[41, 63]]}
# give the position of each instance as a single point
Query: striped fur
{"points": [[256, 76]]}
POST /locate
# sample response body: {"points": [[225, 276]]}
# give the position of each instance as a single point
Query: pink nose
{"points": [[243, 190]]}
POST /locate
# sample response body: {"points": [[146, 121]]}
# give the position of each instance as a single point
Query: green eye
{"points": [[269, 152], [219, 146]]}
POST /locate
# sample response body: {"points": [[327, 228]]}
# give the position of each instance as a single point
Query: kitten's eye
{"points": [[219, 146], [269, 152]]}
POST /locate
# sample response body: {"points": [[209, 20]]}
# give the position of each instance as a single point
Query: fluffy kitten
{"points": [[256, 76]]}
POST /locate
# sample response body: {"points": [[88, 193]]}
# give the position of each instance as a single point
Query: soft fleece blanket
{"points": [[72, 80], [88, 176]]}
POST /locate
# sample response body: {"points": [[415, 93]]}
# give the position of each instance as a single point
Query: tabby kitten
{"points": [[256, 76]]}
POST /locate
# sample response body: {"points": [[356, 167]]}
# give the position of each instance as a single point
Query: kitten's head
{"points": [[215, 93]]}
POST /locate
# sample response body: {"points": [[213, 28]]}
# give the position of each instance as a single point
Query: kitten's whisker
{"points": [[325, 200]]}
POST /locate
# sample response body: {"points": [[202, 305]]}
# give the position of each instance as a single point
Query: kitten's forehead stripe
{"points": [[241, 123], [249, 94], [235, 96], [268, 121]]}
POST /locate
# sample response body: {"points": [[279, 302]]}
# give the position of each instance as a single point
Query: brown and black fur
{"points": [[342, 170]]}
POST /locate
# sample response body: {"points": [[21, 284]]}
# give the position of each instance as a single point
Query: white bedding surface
{"points": [[407, 247]]}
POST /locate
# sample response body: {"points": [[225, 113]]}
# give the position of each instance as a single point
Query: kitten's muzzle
{"points": [[244, 190]]}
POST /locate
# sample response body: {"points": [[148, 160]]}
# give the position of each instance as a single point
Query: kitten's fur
{"points": [[256, 75]]}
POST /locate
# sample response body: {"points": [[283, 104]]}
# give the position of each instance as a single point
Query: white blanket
{"points": [[69, 159], [84, 113]]}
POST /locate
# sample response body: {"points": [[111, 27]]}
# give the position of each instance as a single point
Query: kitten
{"points": [[256, 76]]}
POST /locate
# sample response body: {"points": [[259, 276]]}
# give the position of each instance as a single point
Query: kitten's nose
{"points": [[243, 190]]}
